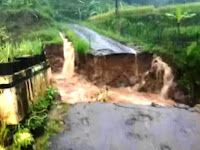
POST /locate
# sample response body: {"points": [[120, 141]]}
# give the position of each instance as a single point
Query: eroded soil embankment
{"points": [[55, 56], [116, 70], [107, 78]]}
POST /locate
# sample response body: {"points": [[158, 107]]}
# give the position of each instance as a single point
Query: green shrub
{"points": [[38, 112], [190, 70], [22, 138], [53, 125]]}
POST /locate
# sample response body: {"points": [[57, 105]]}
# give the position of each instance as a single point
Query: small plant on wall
{"points": [[3, 34], [3, 133], [23, 138]]}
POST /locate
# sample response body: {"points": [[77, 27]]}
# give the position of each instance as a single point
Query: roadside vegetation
{"points": [[80, 45], [168, 31], [9, 51]]}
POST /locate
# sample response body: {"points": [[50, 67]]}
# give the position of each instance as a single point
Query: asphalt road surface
{"points": [[104, 126], [100, 43]]}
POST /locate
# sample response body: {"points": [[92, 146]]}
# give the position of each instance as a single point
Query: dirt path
{"points": [[101, 126]]}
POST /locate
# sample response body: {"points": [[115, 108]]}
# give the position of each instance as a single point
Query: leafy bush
{"points": [[38, 112], [190, 70], [23, 138]]}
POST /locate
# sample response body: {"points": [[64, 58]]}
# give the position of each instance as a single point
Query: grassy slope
{"points": [[131, 11], [21, 30], [26, 23]]}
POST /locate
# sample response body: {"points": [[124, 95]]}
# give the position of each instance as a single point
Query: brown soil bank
{"points": [[55, 56], [116, 70]]}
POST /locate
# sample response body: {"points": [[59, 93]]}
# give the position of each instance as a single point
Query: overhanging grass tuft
{"points": [[80, 45]]}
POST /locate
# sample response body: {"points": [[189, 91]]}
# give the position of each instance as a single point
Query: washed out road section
{"points": [[100, 43], [105, 126]]}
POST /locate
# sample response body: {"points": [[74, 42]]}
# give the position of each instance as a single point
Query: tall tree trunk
{"points": [[116, 7]]}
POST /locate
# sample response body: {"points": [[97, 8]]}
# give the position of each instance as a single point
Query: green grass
{"points": [[127, 11], [192, 7], [53, 126], [48, 35], [10, 50], [145, 10], [80, 45]]}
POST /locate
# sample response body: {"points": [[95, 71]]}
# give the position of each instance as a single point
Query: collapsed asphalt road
{"points": [[104, 126], [100, 43]]}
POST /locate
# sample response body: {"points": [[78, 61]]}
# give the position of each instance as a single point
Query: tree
{"points": [[116, 7], [180, 16]]}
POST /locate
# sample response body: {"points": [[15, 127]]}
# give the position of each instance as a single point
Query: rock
{"points": [[182, 106]]}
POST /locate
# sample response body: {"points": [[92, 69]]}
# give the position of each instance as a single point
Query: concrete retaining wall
{"points": [[20, 90]]}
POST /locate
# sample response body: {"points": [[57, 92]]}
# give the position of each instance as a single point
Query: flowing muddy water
{"points": [[110, 78]]}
